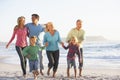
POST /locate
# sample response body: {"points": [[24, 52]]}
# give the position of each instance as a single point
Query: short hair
{"points": [[78, 20], [36, 16], [33, 37]]}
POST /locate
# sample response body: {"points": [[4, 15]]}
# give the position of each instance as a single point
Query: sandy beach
{"points": [[13, 72]]}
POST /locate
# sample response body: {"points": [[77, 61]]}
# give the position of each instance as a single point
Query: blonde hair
{"points": [[18, 22], [19, 19], [49, 23], [75, 38]]}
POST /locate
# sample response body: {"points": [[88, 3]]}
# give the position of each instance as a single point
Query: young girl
{"points": [[73, 48], [31, 52]]}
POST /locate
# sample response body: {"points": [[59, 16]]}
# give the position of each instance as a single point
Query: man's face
{"points": [[34, 19], [78, 24]]}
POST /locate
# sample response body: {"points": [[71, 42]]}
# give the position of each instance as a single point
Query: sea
{"points": [[96, 54]]}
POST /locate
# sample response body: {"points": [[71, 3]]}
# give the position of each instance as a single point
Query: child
{"points": [[31, 52], [73, 48]]}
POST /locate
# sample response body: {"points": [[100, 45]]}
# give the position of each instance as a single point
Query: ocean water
{"points": [[104, 54]]}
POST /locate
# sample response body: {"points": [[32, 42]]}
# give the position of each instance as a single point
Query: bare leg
{"points": [[54, 73], [48, 72], [68, 74], [41, 72], [80, 71], [75, 71]]}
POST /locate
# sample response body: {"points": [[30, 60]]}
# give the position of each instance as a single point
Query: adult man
{"points": [[35, 29], [79, 33]]}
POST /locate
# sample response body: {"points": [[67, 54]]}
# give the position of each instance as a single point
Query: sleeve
{"points": [[27, 29], [59, 38], [13, 36], [25, 51], [66, 47], [78, 52], [69, 36], [44, 38], [82, 37]]}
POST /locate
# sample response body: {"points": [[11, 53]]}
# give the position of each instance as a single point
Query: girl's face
{"points": [[73, 41]]}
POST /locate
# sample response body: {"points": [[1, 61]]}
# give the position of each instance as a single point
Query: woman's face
{"points": [[49, 27], [21, 21]]}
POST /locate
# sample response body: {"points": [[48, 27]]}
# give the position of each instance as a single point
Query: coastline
{"points": [[13, 72]]}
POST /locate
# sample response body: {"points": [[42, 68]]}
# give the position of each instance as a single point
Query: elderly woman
{"points": [[51, 40]]}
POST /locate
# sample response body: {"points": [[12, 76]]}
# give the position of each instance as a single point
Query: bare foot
{"points": [[24, 75], [41, 72], [48, 72]]}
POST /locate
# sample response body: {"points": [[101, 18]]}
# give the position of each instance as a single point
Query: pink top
{"points": [[21, 37]]}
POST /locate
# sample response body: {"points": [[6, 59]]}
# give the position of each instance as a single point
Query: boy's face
{"points": [[33, 41]]}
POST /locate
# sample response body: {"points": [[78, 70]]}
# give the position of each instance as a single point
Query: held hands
{"points": [[62, 44], [46, 44]]}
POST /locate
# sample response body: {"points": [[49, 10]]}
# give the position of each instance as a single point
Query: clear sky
{"points": [[100, 17]]}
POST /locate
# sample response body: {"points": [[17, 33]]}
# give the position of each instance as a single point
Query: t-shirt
{"points": [[32, 52], [35, 30]]}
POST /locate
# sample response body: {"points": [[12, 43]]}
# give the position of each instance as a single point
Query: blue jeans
{"points": [[23, 60], [33, 65]]}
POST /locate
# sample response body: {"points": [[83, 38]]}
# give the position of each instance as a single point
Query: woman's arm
{"points": [[12, 38]]}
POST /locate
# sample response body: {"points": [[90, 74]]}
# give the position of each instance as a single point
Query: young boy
{"points": [[31, 52], [73, 48]]}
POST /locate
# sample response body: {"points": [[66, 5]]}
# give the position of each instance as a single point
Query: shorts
{"points": [[33, 65], [71, 63]]}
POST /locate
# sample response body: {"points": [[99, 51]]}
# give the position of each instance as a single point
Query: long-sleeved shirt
{"points": [[21, 37], [52, 41], [35, 30], [78, 33], [73, 49], [32, 52]]}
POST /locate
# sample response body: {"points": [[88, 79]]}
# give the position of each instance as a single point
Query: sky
{"points": [[99, 17]]}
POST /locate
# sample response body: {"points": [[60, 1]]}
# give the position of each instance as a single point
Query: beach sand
{"points": [[13, 72]]}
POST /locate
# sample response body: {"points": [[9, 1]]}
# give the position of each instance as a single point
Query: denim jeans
{"points": [[23, 60]]}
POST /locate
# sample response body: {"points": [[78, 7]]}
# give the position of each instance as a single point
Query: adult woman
{"points": [[20, 31], [51, 40]]}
